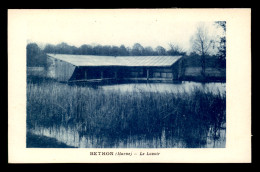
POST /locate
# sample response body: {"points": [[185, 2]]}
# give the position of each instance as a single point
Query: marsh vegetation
{"points": [[83, 116]]}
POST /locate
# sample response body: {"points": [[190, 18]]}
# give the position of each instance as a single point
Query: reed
{"points": [[120, 115]]}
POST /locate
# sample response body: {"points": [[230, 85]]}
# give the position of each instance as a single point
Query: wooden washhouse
{"points": [[90, 68]]}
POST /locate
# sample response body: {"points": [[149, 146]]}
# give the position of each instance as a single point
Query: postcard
{"points": [[129, 86]]}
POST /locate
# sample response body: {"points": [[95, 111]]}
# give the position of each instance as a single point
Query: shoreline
{"points": [[37, 141]]}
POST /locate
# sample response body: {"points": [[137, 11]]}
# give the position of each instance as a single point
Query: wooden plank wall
{"points": [[63, 70], [59, 70]]}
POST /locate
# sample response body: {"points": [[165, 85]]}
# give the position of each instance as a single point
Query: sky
{"points": [[111, 28]]}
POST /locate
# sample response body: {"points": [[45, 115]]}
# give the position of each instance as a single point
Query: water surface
{"points": [[184, 86]]}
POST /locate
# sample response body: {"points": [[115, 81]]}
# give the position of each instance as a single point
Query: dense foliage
{"points": [[35, 56], [222, 44], [136, 50]]}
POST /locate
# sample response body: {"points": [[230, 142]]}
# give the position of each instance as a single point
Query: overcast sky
{"points": [[111, 28]]}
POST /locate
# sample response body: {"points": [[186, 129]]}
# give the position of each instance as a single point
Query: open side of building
{"points": [[88, 68]]}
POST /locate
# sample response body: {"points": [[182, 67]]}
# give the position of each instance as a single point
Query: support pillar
{"points": [[86, 75], [147, 74], [102, 74], [115, 74]]}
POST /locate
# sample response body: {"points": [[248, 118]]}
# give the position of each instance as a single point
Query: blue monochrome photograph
{"points": [[108, 82]]}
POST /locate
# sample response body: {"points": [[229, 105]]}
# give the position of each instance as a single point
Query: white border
{"points": [[238, 87]]}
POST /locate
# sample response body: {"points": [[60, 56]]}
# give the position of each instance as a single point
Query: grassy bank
{"points": [[114, 114], [35, 141]]}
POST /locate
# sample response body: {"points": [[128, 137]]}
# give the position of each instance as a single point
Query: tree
{"points": [[175, 50], [138, 49], [97, 50], [34, 55], [201, 44], [64, 48], [123, 51], [49, 48], [160, 50], [115, 51], [85, 49], [148, 51], [222, 44], [106, 50]]}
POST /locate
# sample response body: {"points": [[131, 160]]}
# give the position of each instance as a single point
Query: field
{"points": [[112, 116], [192, 69]]}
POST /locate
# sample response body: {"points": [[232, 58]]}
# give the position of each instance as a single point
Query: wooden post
{"points": [[147, 74], [172, 74], [115, 74], [102, 74], [181, 69], [86, 75]]}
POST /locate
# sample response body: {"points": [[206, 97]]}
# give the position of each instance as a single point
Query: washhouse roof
{"points": [[135, 61]]}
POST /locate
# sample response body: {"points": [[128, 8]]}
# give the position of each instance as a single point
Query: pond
{"points": [[71, 137], [129, 115], [183, 86]]}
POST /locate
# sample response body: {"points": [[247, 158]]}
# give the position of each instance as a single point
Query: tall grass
{"points": [[94, 112]]}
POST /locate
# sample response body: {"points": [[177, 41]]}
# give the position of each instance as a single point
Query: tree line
{"points": [[107, 50]]}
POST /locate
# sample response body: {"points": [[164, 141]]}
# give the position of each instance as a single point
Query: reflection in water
{"points": [[71, 137], [123, 116]]}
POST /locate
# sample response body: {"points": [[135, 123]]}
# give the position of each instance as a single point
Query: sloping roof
{"points": [[91, 60]]}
